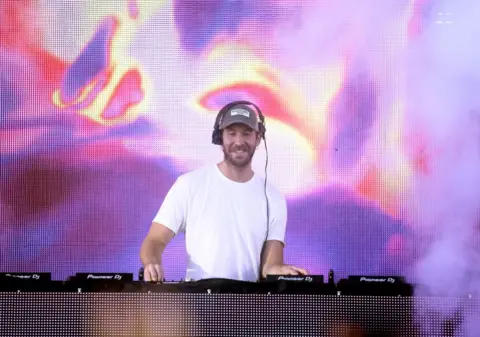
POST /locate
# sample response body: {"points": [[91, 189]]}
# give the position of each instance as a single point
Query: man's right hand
{"points": [[153, 273]]}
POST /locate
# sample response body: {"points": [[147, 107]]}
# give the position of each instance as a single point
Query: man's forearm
{"points": [[272, 255], [151, 251]]}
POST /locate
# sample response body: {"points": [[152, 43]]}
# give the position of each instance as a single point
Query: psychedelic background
{"points": [[103, 104]]}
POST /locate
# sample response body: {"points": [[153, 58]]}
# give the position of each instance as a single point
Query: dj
{"points": [[234, 221]]}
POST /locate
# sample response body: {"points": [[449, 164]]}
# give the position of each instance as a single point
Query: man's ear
{"points": [[259, 138]]}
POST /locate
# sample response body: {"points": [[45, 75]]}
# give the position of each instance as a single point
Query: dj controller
{"points": [[273, 284]]}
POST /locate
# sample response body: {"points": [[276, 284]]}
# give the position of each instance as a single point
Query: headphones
{"points": [[217, 133]]}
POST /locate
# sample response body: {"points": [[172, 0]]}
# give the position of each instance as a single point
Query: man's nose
{"points": [[239, 140]]}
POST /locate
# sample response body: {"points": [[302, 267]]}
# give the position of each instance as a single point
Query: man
{"points": [[223, 210]]}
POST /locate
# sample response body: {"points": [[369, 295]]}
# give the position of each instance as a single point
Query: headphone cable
{"points": [[265, 187]]}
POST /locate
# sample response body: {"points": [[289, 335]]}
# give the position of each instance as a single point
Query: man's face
{"points": [[239, 143]]}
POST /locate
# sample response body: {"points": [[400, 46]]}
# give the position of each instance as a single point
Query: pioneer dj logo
{"points": [[99, 277], [104, 277], [25, 277], [295, 278], [377, 280]]}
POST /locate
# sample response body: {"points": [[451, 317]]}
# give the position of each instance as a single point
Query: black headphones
{"points": [[217, 133]]}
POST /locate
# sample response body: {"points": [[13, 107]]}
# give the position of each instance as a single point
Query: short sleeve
{"points": [[278, 219], [173, 211]]}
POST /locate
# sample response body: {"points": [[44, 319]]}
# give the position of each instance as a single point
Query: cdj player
{"points": [[375, 286]]}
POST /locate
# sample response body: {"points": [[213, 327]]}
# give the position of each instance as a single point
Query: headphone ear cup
{"points": [[217, 137], [262, 130]]}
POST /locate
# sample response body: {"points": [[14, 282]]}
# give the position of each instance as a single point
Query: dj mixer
{"points": [[273, 284]]}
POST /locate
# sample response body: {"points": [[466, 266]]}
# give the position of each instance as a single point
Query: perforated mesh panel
{"points": [[231, 315]]}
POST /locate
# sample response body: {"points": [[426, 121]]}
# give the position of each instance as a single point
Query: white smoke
{"points": [[444, 73], [442, 97]]}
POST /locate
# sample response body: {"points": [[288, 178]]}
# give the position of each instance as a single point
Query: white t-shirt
{"points": [[225, 222]]}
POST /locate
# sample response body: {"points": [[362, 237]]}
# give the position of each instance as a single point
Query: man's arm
{"points": [[168, 221], [272, 261], [158, 237], [272, 255]]}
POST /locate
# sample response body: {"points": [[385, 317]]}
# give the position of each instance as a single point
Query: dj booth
{"points": [[115, 305]]}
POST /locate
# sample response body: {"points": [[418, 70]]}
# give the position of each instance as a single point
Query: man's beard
{"points": [[244, 160]]}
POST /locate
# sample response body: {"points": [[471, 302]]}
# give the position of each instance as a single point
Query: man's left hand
{"points": [[285, 269]]}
